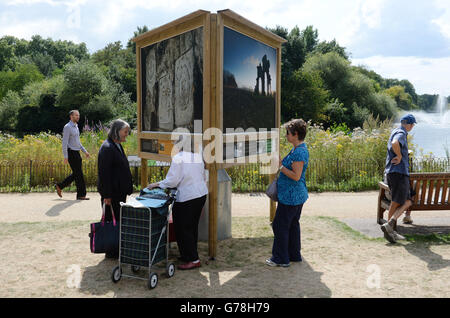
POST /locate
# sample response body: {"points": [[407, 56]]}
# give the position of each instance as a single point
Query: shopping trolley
{"points": [[144, 233]]}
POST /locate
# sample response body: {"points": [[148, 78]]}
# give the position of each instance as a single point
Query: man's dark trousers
{"points": [[75, 163]]}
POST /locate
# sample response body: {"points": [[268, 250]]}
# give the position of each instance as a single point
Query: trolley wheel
{"points": [[153, 280], [135, 268], [116, 274], [170, 270]]}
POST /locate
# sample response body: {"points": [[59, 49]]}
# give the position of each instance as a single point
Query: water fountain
{"points": [[432, 132], [442, 108]]}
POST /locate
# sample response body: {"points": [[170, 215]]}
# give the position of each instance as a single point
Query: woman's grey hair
{"points": [[116, 126]]}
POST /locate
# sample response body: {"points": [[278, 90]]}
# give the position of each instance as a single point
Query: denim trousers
{"points": [[286, 230]]}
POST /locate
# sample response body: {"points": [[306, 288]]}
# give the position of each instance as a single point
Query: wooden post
{"points": [[212, 226], [144, 173], [273, 205]]}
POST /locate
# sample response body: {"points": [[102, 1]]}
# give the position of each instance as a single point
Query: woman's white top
{"points": [[187, 174]]}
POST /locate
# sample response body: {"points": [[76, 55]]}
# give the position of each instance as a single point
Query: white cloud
{"points": [[11, 24], [251, 60], [444, 20], [371, 12], [428, 75], [25, 29], [110, 18], [70, 3]]}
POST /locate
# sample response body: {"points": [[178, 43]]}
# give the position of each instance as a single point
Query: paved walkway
{"points": [[358, 210]]}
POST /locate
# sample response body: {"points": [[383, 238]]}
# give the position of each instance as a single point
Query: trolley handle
{"points": [[103, 214]]}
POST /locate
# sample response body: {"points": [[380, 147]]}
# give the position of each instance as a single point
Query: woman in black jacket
{"points": [[114, 175]]}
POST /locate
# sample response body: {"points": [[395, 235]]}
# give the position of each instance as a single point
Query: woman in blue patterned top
{"points": [[292, 194]]}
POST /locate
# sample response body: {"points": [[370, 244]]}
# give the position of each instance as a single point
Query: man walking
{"points": [[397, 175], [71, 147]]}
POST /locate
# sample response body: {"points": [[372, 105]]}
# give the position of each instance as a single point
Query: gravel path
{"points": [[39, 207]]}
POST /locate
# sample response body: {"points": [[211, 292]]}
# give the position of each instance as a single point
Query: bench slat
{"points": [[448, 197], [437, 192], [424, 191], [417, 188], [444, 192], [430, 192]]}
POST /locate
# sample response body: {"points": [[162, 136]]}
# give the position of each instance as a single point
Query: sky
{"points": [[241, 57], [404, 39]]}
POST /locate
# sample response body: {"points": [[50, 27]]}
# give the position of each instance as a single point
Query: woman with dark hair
{"points": [[114, 175], [292, 194]]}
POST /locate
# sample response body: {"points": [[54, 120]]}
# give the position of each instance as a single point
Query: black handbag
{"points": [[104, 236]]}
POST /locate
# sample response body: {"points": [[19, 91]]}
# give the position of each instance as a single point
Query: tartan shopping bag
{"points": [[104, 236]]}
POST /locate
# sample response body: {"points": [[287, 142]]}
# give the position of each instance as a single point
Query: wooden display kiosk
{"points": [[209, 70]]}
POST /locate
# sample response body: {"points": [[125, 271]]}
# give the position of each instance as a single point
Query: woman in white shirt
{"points": [[187, 174]]}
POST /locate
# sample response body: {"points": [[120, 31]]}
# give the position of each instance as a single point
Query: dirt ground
{"points": [[44, 252]]}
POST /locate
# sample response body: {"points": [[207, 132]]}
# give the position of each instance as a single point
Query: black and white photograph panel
{"points": [[172, 82]]}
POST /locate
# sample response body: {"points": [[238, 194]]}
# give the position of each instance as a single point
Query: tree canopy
{"points": [[49, 77]]}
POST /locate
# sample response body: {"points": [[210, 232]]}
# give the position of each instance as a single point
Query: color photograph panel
{"points": [[249, 82]]}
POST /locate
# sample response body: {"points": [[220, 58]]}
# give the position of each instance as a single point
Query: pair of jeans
{"points": [[75, 163], [186, 216], [286, 230]]}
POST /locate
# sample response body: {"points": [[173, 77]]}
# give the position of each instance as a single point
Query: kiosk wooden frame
{"points": [[213, 47]]}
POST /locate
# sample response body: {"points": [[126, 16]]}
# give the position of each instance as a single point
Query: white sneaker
{"points": [[407, 220], [399, 237], [273, 264]]}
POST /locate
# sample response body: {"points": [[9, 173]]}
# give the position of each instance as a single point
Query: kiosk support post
{"points": [[144, 173]]}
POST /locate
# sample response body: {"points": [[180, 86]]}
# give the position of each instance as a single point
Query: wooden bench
{"points": [[432, 193]]}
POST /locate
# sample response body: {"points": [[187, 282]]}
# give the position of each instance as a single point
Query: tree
{"points": [[307, 97], [403, 99], [9, 110], [82, 82], [332, 46], [119, 65], [33, 92], [427, 101], [16, 81], [353, 89], [45, 63], [108, 55], [331, 66], [335, 113], [7, 56], [98, 98], [62, 52], [140, 30]]}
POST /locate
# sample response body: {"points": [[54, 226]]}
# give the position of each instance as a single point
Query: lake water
{"points": [[432, 132]]}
